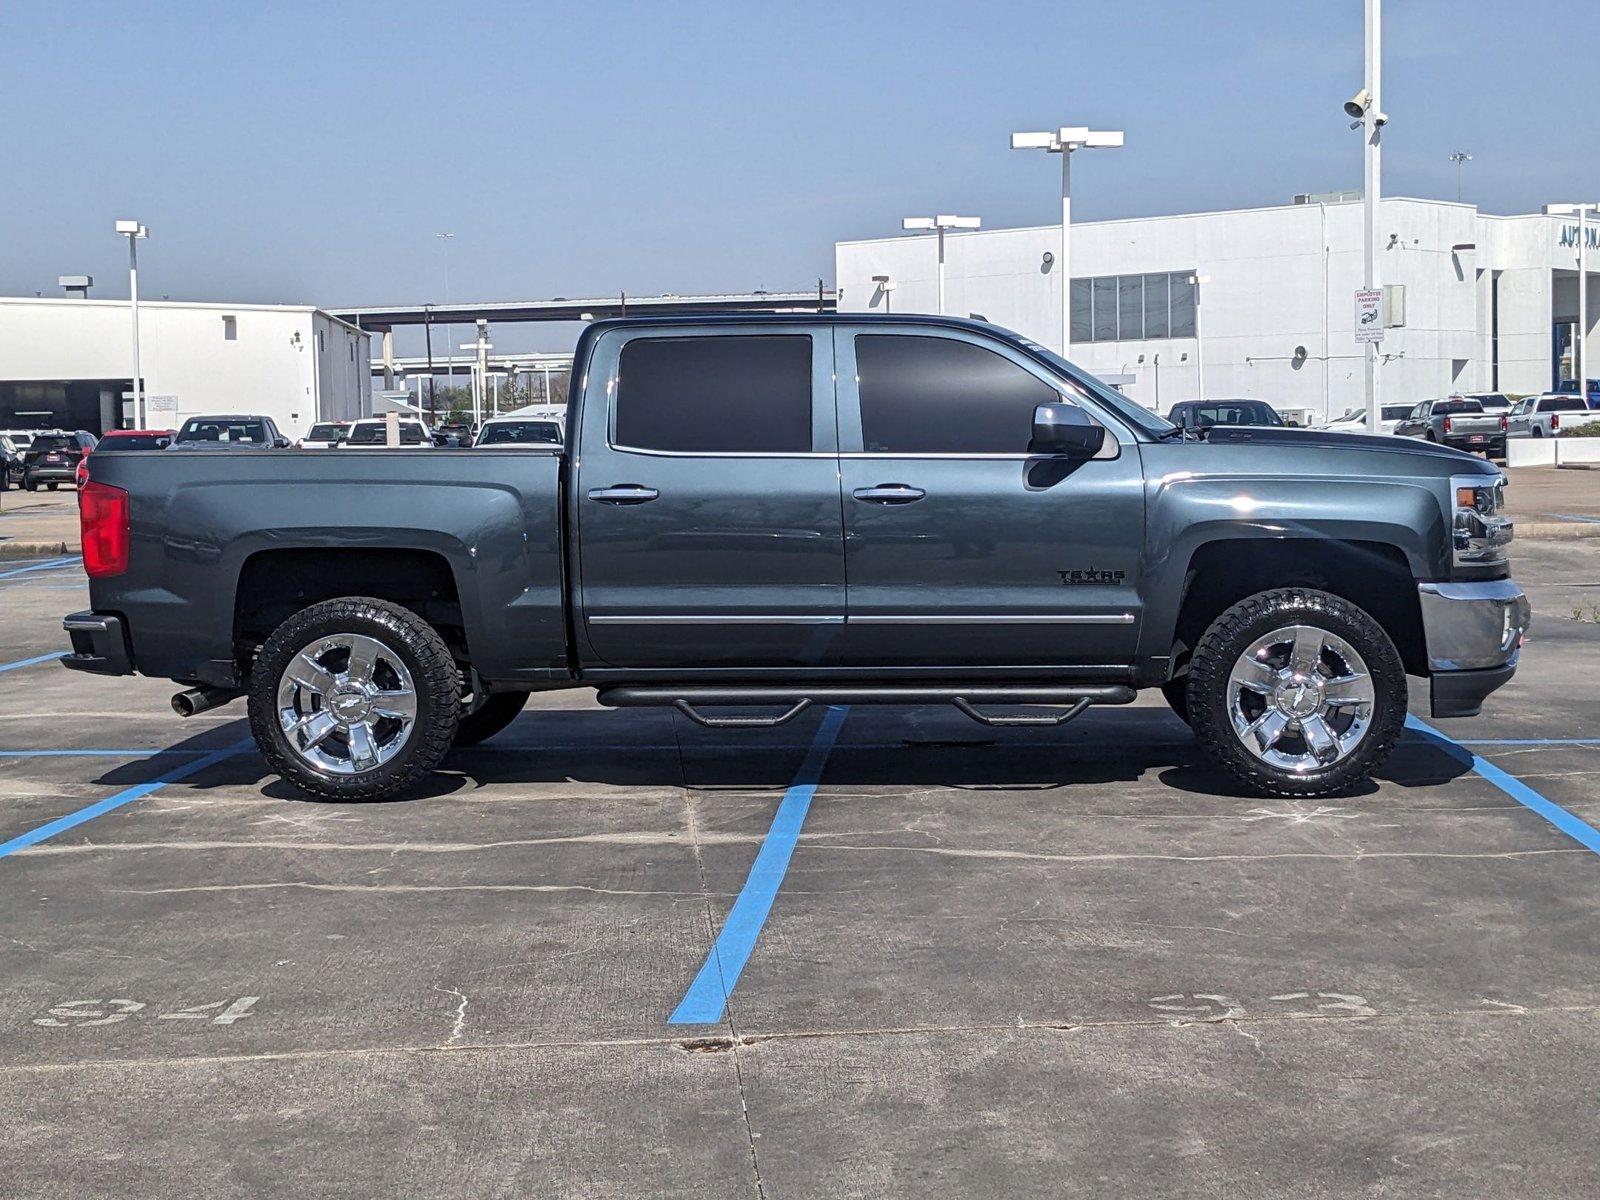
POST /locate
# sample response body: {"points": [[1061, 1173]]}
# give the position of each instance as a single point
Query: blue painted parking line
{"points": [[54, 564], [128, 753], [32, 662], [1577, 517], [1577, 829], [707, 997], [1529, 742], [126, 796]]}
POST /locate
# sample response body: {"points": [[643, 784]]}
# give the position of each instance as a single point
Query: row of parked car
{"points": [[48, 458]]}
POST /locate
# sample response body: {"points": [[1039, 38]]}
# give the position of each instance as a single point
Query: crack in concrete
{"points": [[675, 1043], [461, 1014]]}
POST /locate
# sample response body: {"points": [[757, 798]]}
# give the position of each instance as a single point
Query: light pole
{"points": [[133, 231], [449, 329], [939, 224], [1199, 340], [1064, 141], [1367, 110], [1459, 157]]}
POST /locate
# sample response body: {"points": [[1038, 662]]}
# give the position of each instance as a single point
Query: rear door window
{"points": [[937, 395], [715, 394]]}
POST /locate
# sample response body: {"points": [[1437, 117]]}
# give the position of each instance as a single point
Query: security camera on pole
{"points": [[1366, 110], [940, 224], [1064, 141]]}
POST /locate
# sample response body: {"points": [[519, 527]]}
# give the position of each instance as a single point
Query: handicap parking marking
{"points": [[127, 796], [707, 997], [1574, 827], [32, 662]]}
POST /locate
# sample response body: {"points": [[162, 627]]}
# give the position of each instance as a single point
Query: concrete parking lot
{"points": [[998, 963]]}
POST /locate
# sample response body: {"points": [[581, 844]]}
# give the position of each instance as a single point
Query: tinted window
{"points": [[729, 394], [135, 441], [210, 429], [53, 441], [323, 433], [1446, 407], [932, 395], [1573, 405], [511, 433], [1392, 412]]}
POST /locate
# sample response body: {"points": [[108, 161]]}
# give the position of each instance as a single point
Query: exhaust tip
{"points": [[182, 705]]}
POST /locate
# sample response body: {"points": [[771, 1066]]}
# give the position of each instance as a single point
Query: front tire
{"points": [[354, 699], [1296, 692]]}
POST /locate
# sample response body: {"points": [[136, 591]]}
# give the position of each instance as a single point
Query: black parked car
{"points": [[10, 462], [53, 459]]}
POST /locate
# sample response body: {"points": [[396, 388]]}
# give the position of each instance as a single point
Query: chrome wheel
{"points": [[346, 704], [1300, 698]]}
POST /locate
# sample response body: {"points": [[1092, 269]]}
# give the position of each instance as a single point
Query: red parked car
{"points": [[124, 439]]}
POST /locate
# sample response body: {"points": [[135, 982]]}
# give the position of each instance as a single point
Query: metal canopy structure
{"points": [[387, 317]]}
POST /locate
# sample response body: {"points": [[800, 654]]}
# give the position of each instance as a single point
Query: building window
{"points": [[1126, 308], [230, 329]]}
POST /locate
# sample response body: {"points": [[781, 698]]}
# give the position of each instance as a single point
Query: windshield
{"points": [[324, 433], [505, 433], [21, 440], [1446, 408], [135, 441], [1230, 412], [54, 441], [223, 429], [376, 433], [1134, 414], [1492, 401]]}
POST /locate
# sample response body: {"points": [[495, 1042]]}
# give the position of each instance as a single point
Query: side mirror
{"points": [[281, 443], [1065, 429]]}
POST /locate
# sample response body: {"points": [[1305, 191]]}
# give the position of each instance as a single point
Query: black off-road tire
{"points": [[433, 672], [497, 711], [1177, 693], [1255, 616]]}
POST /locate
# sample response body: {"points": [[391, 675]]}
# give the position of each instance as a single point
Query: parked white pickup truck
{"points": [[1548, 416]]}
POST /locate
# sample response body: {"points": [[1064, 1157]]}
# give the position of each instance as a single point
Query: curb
{"points": [[1555, 530], [50, 549]]}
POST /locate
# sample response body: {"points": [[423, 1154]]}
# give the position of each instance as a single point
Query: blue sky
{"points": [[309, 153]]}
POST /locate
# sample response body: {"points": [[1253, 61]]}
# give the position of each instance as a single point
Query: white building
{"points": [[1484, 302], [68, 363]]}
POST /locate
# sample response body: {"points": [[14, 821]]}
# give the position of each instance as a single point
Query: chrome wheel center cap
{"points": [[348, 704], [1298, 696]]}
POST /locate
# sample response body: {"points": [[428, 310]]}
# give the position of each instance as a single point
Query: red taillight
{"points": [[1447, 424], [1555, 422], [82, 473], [1502, 424], [103, 520]]}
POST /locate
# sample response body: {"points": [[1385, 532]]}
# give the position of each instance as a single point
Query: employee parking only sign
{"points": [[1369, 314]]}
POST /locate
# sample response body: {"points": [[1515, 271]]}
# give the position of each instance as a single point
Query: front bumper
{"points": [[99, 644], [1474, 633]]}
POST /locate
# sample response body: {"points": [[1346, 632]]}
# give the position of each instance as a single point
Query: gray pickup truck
{"points": [[771, 512], [1457, 421]]}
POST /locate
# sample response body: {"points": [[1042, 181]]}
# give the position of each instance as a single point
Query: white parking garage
{"points": [[1261, 301], [68, 363]]}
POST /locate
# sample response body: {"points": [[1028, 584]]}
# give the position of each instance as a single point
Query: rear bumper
{"points": [[53, 472], [99, 644], [1492, 444], [1474, 633]]}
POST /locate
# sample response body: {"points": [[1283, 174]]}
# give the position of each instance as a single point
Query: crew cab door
{"points": [[961, 548], [706, 495]]}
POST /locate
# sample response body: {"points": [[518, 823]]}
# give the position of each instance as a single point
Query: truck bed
{"points": [[487, 523]]}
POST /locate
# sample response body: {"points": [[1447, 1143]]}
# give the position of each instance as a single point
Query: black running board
{"points": [[796, 698]]}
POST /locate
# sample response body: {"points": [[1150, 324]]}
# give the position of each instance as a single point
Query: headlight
{"points": [[1481, 533]]}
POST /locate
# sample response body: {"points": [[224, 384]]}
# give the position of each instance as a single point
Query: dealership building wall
{"points": [[69, 363], [1490, 302]]}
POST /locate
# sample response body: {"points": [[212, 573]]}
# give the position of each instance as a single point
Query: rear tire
{"points": [[497, 711], [354, 699], [28, 485], [1296, 692]]}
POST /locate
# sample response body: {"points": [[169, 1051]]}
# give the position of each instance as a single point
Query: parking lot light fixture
{"points": [[939, 224], [133, 231], [1064, 141]]}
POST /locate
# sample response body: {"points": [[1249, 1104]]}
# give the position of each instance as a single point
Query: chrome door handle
{"points": [[889, 493], [624, 493]]}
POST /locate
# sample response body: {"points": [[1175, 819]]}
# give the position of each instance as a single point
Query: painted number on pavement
{"points": [[85, 1014]]}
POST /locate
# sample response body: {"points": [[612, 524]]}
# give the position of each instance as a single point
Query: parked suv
{"points": [[53, 459], [1202, 414]]}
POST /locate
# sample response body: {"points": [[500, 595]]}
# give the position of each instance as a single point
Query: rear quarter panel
{"points": [[195, 518]]}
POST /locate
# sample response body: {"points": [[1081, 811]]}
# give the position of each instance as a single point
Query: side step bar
{"points": [[795, 699]]}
